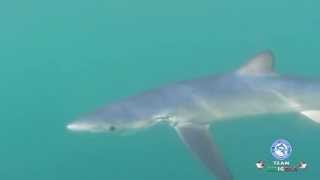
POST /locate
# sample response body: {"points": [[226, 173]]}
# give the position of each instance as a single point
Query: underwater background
{"points": [[61, 59]]}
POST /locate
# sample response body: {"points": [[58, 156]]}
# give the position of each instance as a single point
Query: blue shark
{"points": [[192, 106]]}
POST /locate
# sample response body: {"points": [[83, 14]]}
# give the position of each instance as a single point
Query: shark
{"points": [[191, 107]]}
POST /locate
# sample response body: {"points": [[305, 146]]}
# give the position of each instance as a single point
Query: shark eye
{"points": [[112, 128]]}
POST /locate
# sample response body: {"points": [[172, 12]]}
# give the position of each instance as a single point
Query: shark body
{"points": [[192, 106]]}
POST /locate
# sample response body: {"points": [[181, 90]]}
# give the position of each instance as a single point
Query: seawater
{"points": [[61, 59]]}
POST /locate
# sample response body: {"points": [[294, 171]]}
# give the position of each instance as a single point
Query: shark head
{"points": [[117, 117], [88, 125]]}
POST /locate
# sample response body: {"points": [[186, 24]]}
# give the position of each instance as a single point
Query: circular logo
{"points": [[281, 149]]}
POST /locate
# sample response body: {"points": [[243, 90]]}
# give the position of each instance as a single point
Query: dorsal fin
{"points": [[261, 64]]}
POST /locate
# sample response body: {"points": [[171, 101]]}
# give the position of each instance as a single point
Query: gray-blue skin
{"points": [[192, 106]]}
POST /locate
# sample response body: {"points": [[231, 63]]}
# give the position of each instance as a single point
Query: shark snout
{"points": [[80, 126], [90, 126]]}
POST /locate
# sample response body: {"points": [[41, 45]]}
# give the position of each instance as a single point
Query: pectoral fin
{"points": [[314, 115], [198, 139]]}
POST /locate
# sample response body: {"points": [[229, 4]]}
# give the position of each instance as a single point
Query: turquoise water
{"points": [[60, 59]]}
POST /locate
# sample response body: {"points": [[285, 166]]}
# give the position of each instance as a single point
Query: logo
{"points": [[281, 149], [260, 164]]}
